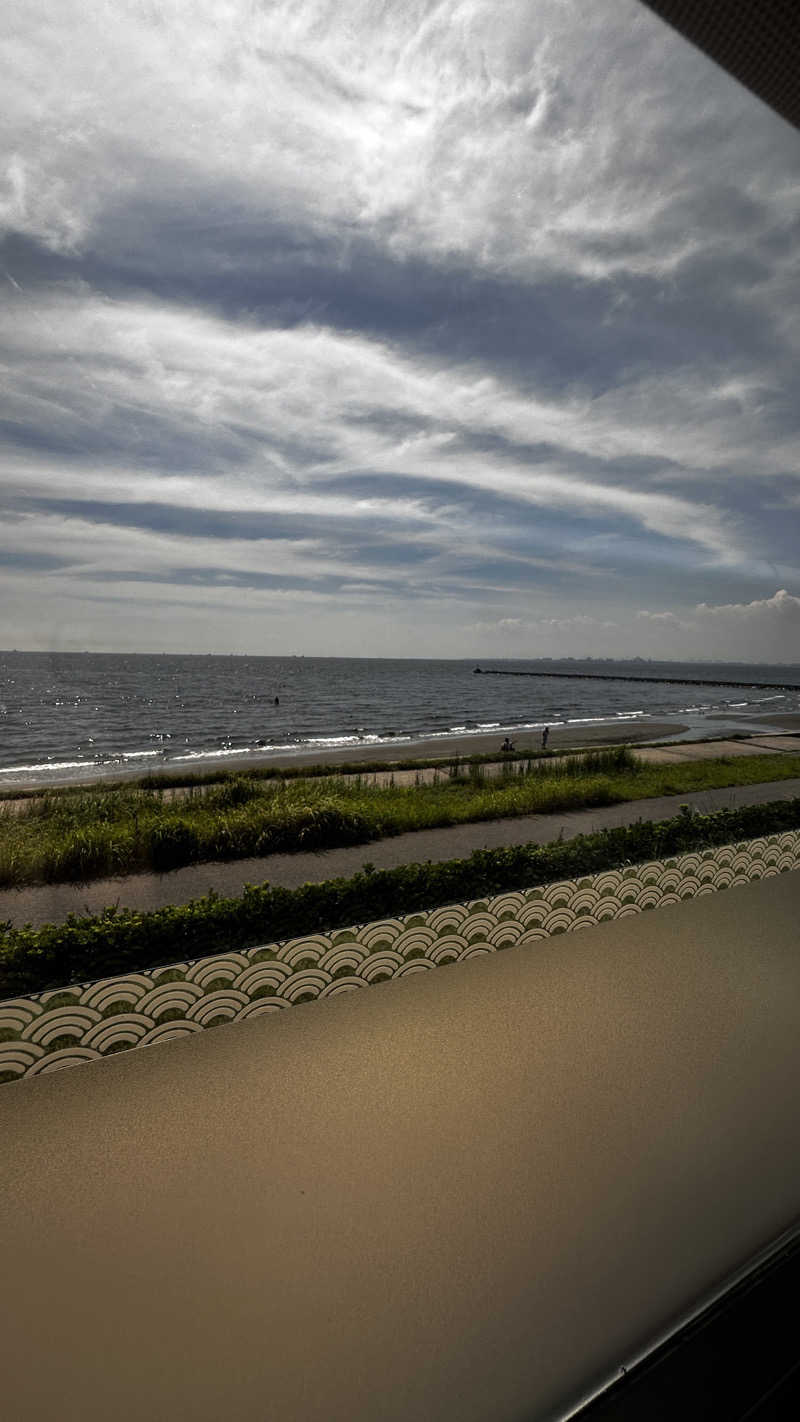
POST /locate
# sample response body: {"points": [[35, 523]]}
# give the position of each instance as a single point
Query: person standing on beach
{"points": [[545, 737]]}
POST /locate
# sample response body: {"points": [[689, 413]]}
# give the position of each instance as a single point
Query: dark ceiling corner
{"points": [[757, 41]]}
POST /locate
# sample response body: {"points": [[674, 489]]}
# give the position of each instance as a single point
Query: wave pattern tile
{"points": [[67, 1026]]}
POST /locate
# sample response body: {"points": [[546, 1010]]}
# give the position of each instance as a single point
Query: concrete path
{"points": [[651, 755], [471, 1195], [717, 750], [51, 903]]}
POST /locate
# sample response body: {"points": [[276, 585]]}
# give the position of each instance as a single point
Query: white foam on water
{"points": [[218, 754], [48, 765], [590, 720], [333, 741]]}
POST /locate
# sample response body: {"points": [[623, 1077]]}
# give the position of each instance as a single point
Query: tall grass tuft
{"points": [[95, 833]]}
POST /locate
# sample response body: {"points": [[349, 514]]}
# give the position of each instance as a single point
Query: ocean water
{"points": [[65, 714]]}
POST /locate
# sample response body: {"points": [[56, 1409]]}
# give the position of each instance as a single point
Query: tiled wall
{"points": [[64, 1027]]}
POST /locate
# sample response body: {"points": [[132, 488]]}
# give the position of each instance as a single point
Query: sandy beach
{"points": [[608, 734], [612, 733]]}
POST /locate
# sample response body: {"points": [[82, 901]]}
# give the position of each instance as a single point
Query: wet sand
{"points": [[470, 1195], [608, 734], [786, 720]]}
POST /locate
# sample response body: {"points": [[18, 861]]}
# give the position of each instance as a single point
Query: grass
{"points": [[125, 940], [177, 779], [94, 833]]}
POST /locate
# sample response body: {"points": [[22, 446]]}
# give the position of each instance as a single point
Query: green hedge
{"points": [[122, 940]]}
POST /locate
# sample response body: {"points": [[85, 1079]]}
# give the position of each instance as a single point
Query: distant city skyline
{"points": [[426, 331], [334, 656]]}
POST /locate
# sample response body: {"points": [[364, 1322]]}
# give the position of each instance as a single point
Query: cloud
{"points": [[666, 619], [781, 605], [764, 630], [521, 144], [320, 298], [583, 634], [279, 411]]}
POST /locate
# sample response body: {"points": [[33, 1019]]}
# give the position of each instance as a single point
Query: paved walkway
{"points": [[715, 750], [51, 903], [652, 755], [474, 1194]]}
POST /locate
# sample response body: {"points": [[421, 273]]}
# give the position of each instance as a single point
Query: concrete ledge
{"points": [[469, 1195], [70, 1026]]}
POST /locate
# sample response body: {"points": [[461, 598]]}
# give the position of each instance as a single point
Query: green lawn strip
{"points": [[178, 780], [122, 941], [99, 833]]}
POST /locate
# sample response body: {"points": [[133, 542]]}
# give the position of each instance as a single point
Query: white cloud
{"points": [[583, 146], [764, 630], [782, 604], [271, 391], [667, 618], [519, 140]]}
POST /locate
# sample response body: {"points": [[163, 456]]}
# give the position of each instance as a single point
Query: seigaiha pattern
{"points": [[64, 1027]]}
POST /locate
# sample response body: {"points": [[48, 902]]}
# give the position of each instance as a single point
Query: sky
{"points": [[420, 329]]}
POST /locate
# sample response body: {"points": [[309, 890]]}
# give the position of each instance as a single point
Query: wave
{"points": [[96, 763], [425, 726], [48, 765]]}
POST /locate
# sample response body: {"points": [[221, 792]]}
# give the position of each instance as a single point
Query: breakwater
{"points": [[663, 680]]}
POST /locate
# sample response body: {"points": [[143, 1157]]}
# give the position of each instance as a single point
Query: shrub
{"points": [[123, 940], [171, 844], [85, 835]]}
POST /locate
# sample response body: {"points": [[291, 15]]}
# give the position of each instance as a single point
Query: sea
{"points": [[66, 715]]}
